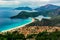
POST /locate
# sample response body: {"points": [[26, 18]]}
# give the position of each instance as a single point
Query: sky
{"points": [[30, 3]]}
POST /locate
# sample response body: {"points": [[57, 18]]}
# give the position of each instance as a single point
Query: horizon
{"points": [[27, 3], [28, 6]]}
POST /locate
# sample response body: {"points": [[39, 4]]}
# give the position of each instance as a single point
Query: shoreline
{"points": [[19, 26]]}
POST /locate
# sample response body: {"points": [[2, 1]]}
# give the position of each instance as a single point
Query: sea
{"points": [[6, 23]]}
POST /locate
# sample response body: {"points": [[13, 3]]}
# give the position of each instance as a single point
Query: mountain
{"points": [[47, 7], [23, 8], [25, 14], [47, 10], [55, 12]]}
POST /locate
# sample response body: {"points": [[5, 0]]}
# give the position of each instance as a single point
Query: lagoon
{"points": [[7, 24]]}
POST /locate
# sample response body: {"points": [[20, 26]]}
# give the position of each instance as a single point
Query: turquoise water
{"points": [[7, 23]]}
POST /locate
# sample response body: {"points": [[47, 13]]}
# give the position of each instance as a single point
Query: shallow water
{"points": [[6, 23]]}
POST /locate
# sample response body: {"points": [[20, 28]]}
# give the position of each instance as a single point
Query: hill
{"points": [[47, 7], [47, 10], [23, 8], [25, 14]]}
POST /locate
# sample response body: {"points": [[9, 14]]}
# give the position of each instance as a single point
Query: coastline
{"points": [[19, 26]]}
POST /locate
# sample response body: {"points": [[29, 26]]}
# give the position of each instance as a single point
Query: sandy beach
{"points": [[19, 26]]}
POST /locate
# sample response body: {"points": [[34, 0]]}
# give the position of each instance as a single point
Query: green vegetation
{"points": [[31, 36], [49, 13], [40, 36], [25, 14], [12, 36], [48, 36], [54, 21]]}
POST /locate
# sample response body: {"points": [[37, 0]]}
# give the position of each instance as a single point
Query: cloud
{"points": [[31, 3], [8, 0], [8, 3], [54, 1]]}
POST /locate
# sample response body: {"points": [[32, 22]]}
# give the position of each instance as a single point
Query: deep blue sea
{"points": [[6, 23]]}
